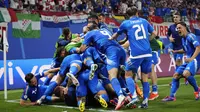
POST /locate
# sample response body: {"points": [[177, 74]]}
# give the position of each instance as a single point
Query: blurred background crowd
{"points": [[189, 9]]}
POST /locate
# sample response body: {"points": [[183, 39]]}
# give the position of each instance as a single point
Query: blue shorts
{"points": [[67, 63], [192, 67], [155, 57], [55, 64], [103, 75], [91, 52], [116, 56], [144, 63], [93, 85]]}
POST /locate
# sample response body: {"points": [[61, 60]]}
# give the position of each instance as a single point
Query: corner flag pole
{"points": [[5, 65]]}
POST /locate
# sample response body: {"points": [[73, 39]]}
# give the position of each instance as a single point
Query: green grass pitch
{"points": [[185, 102]]}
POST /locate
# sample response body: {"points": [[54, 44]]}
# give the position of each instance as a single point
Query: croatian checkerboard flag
{"points": [[55, 19]]}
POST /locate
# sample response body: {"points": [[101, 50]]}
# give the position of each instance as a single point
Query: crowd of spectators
{"points": [[189, 9]]}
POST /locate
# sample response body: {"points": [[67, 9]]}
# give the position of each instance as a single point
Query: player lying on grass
{"points": [[33, 90]]}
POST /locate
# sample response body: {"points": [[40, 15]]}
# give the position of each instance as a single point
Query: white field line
{"points": [[67, 107]]}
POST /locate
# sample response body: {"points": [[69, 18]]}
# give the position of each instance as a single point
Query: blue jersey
{"points": [[33, 93], [99, 39], [173, 31], [189, 45], [137, 30], [67, 61]]}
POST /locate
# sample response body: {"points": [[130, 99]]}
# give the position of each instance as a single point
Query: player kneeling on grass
{"points": [[191, 47], [33, 90]]}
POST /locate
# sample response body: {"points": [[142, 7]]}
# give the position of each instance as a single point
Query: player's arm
{"points": [[123, 41], [153, 35], [26, 103], [192, 39], [50, 71], [86, 42], [122, 29], [151, 30], [126, 44], [181, 51]]}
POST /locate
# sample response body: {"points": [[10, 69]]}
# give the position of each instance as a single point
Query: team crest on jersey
{"points": [[34, 91], [25, 96]]}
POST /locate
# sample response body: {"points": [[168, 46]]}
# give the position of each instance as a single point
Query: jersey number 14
{"points": [[139, 28]]}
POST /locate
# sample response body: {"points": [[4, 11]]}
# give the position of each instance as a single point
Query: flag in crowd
{"points": [[55, 19], [7, 15], [28, 26], [78, 18]]}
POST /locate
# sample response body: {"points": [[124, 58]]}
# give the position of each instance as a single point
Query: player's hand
{"points": [[187, 60], [171, 39], [110, 38], [65, 90]]}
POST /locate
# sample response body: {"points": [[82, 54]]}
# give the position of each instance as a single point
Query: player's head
{"points": [[66, 33], [85, 29], [61, 52], [132, 11], [31, 79], [93, 17], [176, 17], [101, 18], [92, 25], [182, 28]]}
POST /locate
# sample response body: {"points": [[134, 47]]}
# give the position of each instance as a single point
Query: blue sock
{"points": [[78, 102], [50, 89], [116, 86], [154, 88], [192, 82], [145, 90], [122, 82], [89, 62], [73, 70], [47, 80], [49, 98], [130, 84], [105, 97], [174, 87]]}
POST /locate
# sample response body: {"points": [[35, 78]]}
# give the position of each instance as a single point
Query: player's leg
{"points": [[81, 92], [189, 74], [154, 93], [175, 83], [113, 60], [75, 67], [145, 70], [88, 59]]}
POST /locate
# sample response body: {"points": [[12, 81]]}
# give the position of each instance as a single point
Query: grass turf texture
{"points": [[185, 101]]}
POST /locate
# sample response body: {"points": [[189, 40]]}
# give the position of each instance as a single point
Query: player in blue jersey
{"points": [[191, 47], [33, 90], [70, 66], [175, 39], [57, 60], [137, 30], [94, 86], [114, 52]]}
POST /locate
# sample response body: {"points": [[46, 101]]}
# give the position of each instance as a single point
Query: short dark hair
{"points": [[102, 15], [93, 16], [66, 31], [28, 77], [131, 11], [185, 25], [177, 13], [93, 26]]}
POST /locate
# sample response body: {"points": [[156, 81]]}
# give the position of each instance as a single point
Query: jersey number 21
{"points": [[139, 28]]}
